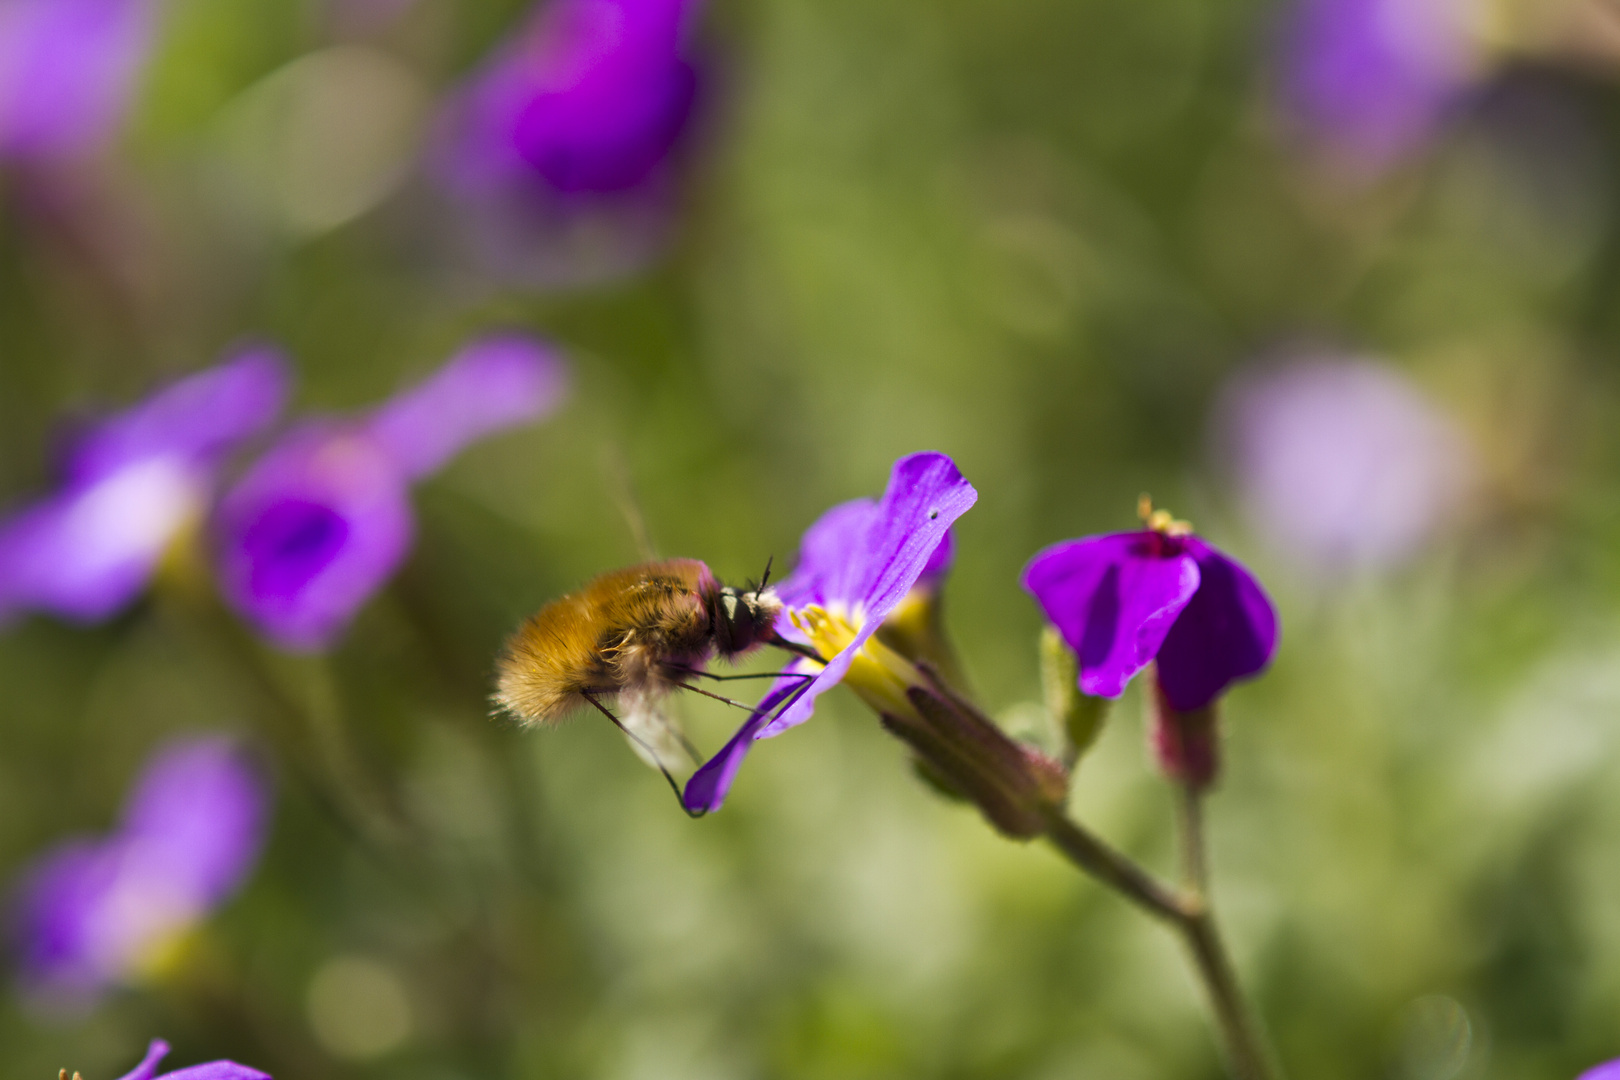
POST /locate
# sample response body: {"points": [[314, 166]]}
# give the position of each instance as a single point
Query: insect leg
{"points": [[734, 678], [717, 697], [673, 786]]}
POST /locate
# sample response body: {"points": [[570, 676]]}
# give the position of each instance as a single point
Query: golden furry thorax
{"points": [[639, 630]]}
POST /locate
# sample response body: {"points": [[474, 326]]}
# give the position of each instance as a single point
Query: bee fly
{"points": [[635, 634]]}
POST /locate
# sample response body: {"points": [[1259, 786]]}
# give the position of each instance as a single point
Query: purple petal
{"points": [[199, 417], [1228, 632], [939, 563], [1375, 78], [197, 815], [217, 1070], [67, 72], [707, 788], [879, 564], [1114, 599], [828, 566], [493, 383], [54, 915], [314, 528], [89, 912], [134, 481], [590, 97], [1341, 462], [1607, 1071], [86, 553], [147, 1069]]}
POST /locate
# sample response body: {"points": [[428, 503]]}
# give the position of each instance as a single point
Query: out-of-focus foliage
{"points": [[1038, 235]]}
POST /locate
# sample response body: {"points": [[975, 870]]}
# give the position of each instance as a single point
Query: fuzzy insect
{"points": [[634, 634]]}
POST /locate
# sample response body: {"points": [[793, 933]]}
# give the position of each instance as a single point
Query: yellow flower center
{"points": [[877, 673], [1160, 521]]}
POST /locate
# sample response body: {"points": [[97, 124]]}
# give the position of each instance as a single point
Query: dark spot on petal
{"points": [[289, 544], [933, 514]]}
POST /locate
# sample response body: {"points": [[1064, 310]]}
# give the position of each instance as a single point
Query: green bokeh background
{"points": [[1036, 235]]}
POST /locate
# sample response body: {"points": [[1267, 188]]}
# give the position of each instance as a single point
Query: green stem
{"points": [[1187, 911], [1244, 1046]]}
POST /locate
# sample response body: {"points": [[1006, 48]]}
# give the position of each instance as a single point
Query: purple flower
{"points": [[1607, 1071], [324, 518], [97, 911], [1371, 80], [214, 1070], [1342, 463], [67, 72], [589, 97], [131, 484], [557, 153], [1125, 599], [856, 565]]}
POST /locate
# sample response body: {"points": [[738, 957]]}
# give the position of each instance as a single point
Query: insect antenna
{"points": [[633, 737], [624, 492], [765, 578]]}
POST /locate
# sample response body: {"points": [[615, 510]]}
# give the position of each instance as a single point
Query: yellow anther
{"points": [[1160, 521]]}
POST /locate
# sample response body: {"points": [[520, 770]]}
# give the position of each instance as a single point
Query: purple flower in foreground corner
{"points": [[1125, 599], [1607, 1071], [131, 484], [214, 1070], [100, 911], [67, 72], [324, 518], [1371, 80], [857, 563]]}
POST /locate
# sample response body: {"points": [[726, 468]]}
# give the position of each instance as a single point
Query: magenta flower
{"points": [[1341, 462], [557, 154], [1125, 599], [131, 484], [320, 522], [1372, 80], [67, 73], [590, 97], [857, 563], [214, 1070], [96, 912]]}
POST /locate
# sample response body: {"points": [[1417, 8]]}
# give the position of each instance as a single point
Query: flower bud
{"points": [[1079, 716], [961, 749]]}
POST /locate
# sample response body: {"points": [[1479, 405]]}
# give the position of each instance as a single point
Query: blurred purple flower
{"points": [[214, 1070], [130, 485], [1341, 462], [1371, 80], [1607, 1071], [572, 121], [857, 563], [67, 72], [94, 912], [590, 96], [1125, 599], [324, 518]]}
